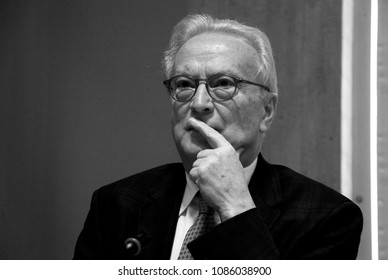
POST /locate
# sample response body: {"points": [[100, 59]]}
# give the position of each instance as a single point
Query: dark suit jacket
{"points": [[295, 218]]}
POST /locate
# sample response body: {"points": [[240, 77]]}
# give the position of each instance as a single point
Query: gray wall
{"points": [[82, 104], [383, 130], [306, 39]]}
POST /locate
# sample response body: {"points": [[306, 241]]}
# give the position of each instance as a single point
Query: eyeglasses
{"points": [[220, 87]]}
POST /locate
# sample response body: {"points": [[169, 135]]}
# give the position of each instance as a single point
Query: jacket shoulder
{"points": [[140, 184], [294, 184]]}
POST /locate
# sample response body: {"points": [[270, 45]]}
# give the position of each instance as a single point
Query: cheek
{"points": [[176, 112], [177, 118], [251, 113]]}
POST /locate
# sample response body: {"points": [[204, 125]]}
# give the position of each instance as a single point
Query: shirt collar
{"points": [[192, 188]]}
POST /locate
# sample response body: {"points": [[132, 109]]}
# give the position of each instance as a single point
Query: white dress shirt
{"points": [[188, 211]]}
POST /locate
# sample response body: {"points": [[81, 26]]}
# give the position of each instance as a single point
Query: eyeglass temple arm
{"points": [[255, 84]]}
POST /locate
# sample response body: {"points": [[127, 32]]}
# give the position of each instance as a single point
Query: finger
{"points": [[213, 137], [205, 153], [194, 174], [199, 162], [195, 178]]}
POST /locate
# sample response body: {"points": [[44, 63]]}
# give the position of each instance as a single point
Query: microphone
{"points": [[133, 244]]}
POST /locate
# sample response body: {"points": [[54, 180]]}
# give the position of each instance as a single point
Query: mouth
{"points": [[189, 128]]}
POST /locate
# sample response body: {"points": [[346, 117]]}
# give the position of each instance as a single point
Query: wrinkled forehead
{"points": [[217, 52]]}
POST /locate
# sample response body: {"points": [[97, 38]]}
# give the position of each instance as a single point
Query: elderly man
{"points": [[225, 201]]}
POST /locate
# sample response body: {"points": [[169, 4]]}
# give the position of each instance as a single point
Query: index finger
{"points": [[212, 136]]}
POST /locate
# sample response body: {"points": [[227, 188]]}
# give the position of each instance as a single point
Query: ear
{"points": [[270, 104]]}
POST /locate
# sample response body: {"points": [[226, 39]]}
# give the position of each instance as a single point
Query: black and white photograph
{"points": [[193, 130]]}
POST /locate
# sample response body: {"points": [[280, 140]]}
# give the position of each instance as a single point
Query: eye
{"points": [[182, 83], [222, 82]]}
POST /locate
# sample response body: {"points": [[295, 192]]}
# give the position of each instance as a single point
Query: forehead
{"points": [[211, 53]]}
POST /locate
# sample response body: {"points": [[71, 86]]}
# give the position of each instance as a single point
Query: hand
{"points": [[219, 174]]}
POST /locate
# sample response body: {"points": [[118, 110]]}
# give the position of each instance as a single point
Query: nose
{"points": [[202, 102]]}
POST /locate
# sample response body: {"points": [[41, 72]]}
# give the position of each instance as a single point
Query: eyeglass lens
{"points": [[220, 87]]}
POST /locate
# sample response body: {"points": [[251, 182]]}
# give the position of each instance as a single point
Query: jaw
{"points": [[188, 148], [250, 152], [187, 155]]}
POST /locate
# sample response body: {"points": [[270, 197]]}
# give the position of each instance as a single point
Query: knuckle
{"points": [[193, 172], [200, 154], [202, 169], [230, 149], [217, 153]]}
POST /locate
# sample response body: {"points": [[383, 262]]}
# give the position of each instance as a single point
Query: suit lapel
{"points": [[265, 191], [159, 216]]}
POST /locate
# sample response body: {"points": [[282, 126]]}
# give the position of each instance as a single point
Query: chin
{"points": [[188, 154], [193, 148], [188, 148]]}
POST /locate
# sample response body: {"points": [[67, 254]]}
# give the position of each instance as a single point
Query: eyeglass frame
{"points": [[197, 81]]}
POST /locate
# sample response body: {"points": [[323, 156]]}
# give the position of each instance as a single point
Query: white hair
{"points": [[193, 25]]}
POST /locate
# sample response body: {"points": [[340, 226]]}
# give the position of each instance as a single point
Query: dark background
{"points": [[82, 103]]}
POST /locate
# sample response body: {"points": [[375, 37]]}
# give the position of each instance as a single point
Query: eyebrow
{"points": [[228, 73]]}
